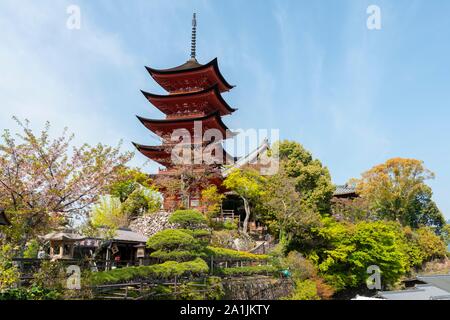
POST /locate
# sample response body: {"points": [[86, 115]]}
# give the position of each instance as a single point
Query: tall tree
{"points": [[312, 179], [247, 183], [396, 190], [43, 184], [128, 180], [136, 191], [282, 209], [108, 212]]}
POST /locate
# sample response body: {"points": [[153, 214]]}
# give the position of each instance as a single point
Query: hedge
{"points": [[245, 271], [182, 255], [223, 253], [165, 270], [172, 239]]}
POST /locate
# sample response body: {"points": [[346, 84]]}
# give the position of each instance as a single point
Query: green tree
{"points": [[136, 191], [446, 233], [312, 179], [107, 213], [431, 246], [128, 181], [142, 200], [396, 190], [212, 199], [349, 250], [351, 210], [282, 208], [246, 183]]}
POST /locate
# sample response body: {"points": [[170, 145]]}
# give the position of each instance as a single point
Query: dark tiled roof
{"points": [[120, 235], [189, 65], [344, 190]]}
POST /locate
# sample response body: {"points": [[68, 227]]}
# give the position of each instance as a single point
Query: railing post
{"points": [[175, 289], [212, 265]]}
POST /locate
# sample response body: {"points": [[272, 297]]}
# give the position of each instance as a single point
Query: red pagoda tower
{"points": [[193, 106]]}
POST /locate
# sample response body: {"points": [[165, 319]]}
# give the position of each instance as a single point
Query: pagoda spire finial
{"points": [[194, 36]]}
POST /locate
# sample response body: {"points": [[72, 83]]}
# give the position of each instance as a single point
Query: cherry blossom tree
{"points": [[46, 182]]}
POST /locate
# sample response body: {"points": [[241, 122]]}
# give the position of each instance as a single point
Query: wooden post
{"points": [[175, 289], [212, 265], [107, 259], [61, 249]]}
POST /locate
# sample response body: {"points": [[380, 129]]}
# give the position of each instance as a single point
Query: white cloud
{"points": [[48, 70]]}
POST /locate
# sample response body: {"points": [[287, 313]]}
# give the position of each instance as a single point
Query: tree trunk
{"points": [[247, 215]]}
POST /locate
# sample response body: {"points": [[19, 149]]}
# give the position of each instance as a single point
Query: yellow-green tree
{"points": [[107, 213], [212, 199], [246, 183], [396, 190]]}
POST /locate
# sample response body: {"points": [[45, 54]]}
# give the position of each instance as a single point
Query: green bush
{"points": [[212, 289], [245, 271], [188, 219], [31, 250], [176, 255], [165, 270], [172, 239], [305, 290], [349, 249], [9, 275], [224, 225], [198, 233], [223, 253], [32, 293], [202, 236], [51, 275], [300, 267]]}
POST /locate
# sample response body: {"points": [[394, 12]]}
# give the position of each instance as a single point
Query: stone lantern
{"points": [[140, 253]]}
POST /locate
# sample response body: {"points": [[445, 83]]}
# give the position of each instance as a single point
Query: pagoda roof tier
{"points": [[162, 155], [190, 76], [164, 128], [158, 154], [191, 104]]}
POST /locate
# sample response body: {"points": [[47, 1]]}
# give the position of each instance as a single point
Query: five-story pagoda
{"points": [[192, 130]]}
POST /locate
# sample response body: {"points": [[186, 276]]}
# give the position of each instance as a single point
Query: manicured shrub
{"points": [[172, 239], [223, 253], [245, 271], [177, 255], [188, 219], [164, 270]]}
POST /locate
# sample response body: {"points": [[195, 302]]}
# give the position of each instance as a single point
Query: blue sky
{"points": [[354, 97]]}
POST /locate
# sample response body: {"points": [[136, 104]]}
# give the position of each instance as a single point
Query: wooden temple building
{"points": [[192, 130]]}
